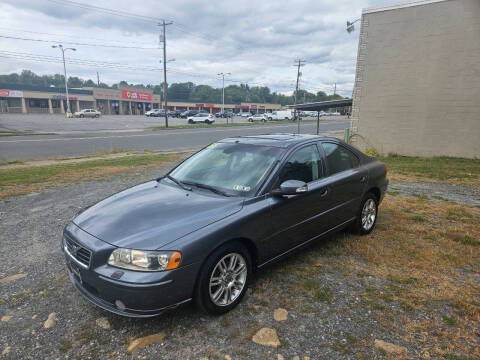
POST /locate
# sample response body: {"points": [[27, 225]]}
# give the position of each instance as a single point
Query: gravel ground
{"points": [[438, 191], [334, 323]]}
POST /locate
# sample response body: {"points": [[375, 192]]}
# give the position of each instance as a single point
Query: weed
{"points": [[449, 321], [417, 218], [467, 240]]}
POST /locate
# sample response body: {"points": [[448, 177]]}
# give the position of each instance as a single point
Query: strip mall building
{"points": [[124, 101]]}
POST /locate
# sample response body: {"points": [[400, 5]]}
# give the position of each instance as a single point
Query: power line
{"points": [[77, 43], [123, 41], [119, 66], [106, 10]]}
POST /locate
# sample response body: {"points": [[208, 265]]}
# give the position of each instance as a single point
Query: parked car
{"points": [[176, 113], [199, 232], [201, 117], [188, 113], [87, 113], [280, 115], [226, 114], [245, 114], [258, 117], [155, 112]]}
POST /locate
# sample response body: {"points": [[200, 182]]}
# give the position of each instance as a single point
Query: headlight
{"points": [[145, 260]]}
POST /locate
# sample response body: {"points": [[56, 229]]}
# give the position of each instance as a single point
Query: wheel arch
{"points": [[375, 191]]}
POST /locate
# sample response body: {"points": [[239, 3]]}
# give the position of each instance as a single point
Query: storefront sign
{"points": [[136, 95], [209, 105], [63, 97], [199, 105], [241, 107], [11, 93]]}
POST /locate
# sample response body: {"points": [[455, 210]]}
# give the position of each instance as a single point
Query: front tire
{"points": [[223, 280], [367, 215]]}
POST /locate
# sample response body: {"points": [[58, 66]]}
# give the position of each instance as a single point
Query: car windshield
{"points": [[236, 169]]}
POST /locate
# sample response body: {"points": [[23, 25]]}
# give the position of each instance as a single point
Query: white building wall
{"points": [[417, 87]]}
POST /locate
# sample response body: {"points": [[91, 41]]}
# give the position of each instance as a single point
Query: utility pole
{"points": [[299, 63], [335, 89], [223, 93], [60, 46], [164, 40], [98, 80]]}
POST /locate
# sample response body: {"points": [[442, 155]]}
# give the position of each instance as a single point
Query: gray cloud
{"points": [[257, 41]]}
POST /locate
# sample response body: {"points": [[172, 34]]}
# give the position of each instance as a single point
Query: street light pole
{"points": [[223, 92], [60, 46]]}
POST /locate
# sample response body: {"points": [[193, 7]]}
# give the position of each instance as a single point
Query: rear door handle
{"points": [[363, 179]]}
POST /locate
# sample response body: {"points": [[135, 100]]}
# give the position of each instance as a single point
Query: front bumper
{"points": [[121, 291]]}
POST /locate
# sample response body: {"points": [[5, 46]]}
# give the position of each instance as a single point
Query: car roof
{"points": [[276, 140]]}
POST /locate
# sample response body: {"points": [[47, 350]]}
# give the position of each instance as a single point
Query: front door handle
{"points": [[363, 179], [324, 191]]}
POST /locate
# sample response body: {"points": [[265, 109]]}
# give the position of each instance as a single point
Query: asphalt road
{"points": [[69, 143]]}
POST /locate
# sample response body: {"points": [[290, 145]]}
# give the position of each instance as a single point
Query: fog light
{"points": [[120, 305]]}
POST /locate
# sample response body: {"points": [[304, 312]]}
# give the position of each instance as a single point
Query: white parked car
{"points": [[258, 117], [280, 115], [335, 114], [87, 113], [201, 117], [245, 114]]}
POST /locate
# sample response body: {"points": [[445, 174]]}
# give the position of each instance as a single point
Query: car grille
{"points": [[77, 251]]}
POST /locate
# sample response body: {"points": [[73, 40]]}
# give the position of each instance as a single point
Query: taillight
{"points": [[385, 166]]}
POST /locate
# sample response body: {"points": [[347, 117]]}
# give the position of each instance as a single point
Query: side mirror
{"points": [[291, 187]]}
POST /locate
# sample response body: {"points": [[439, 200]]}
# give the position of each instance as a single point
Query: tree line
{"points": [[186, 91]]}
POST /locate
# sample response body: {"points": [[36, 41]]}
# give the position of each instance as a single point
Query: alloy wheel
{"points": [[369, 213], [228, 279]]}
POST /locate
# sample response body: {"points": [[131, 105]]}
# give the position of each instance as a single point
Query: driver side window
{"points": [[303, 165]]}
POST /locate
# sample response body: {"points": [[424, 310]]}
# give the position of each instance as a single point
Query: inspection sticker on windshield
{"points": [[241, 188], [212, 146]]}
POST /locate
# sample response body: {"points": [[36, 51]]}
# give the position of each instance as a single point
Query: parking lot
{"points": [[414, 282], [46, 123]]}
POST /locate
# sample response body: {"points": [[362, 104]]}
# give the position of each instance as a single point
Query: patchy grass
{"points": [[432, 265], [442, 169], [23, 180], [20, 133]]}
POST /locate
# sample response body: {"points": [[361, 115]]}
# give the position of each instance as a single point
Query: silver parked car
{"points": [[87, 113]]}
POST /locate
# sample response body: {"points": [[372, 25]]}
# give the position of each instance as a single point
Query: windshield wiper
{"points": [[208, 187], [178, 182]]}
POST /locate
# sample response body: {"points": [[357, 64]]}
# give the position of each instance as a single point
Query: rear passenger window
{"points": [[339, 158], [303, 165]]}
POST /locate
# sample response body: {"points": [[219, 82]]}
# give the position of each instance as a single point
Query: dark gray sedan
{"points": [[199, 232]]}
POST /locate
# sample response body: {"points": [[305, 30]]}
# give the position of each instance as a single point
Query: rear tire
{"points": [[367, 215], [222, 281], [81, 115], [190, 121]]}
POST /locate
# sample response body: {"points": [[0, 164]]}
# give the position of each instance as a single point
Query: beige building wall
{"points": [[417, 86]]}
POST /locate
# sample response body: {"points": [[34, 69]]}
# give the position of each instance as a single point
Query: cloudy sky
{"points": [[256, 41]]}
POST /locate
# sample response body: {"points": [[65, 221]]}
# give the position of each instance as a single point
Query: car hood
{"points": [[151, 215]]}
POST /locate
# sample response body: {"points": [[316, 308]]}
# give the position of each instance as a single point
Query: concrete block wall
{"points": [[417, 86]]}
